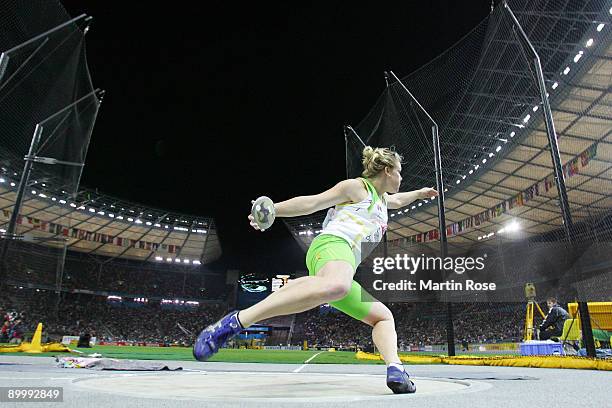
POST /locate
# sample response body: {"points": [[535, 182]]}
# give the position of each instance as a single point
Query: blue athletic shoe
{"points": [[399, 381], [215, 336]]}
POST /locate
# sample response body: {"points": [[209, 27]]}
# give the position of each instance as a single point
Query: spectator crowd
{"points": [[109, 320], [12, 326], [417, 324]]}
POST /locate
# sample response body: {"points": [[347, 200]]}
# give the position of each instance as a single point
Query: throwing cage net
{"points": [[48, 108], [502, 201]]}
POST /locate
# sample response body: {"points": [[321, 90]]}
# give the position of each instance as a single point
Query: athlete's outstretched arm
{"points": [[347, 190], [399, 200]]}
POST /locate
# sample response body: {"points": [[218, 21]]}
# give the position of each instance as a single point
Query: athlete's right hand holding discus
{"points": [[263, 213], [253, 223]]}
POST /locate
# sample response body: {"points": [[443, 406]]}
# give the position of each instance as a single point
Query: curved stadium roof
{"points": [[100, 224]]}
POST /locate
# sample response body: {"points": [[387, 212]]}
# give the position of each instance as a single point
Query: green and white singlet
{"points": [[365, 221]]}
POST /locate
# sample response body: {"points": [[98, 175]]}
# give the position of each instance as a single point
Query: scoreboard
{"points": [[279, 281]]}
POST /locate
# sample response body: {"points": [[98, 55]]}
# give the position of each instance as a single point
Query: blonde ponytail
{"points": [[376, 159]]}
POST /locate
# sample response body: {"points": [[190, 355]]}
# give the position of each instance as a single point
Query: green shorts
{"points": [[325, 248]]}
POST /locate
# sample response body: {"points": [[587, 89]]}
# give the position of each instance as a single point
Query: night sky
{"points": [[210, 106]]}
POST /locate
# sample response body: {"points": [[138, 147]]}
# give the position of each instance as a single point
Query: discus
{"points": [[263, 212]]}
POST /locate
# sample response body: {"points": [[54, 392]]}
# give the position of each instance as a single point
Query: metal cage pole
{"points": [[450, 331], [346, 130], [385, 239], [5, 55], [568, 225], [23, 183]]}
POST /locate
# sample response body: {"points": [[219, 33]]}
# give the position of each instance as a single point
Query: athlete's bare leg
{"points": [[383, 332], [332, 282]]}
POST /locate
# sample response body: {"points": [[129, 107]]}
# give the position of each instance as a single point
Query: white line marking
{"points": [[37, 378], [297, 370]]}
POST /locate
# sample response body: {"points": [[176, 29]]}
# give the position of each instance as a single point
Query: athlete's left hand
{"points": [[428, 192], [254, 224]]}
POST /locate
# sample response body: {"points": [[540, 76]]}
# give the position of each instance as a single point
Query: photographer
{"points": [[553, 324]]}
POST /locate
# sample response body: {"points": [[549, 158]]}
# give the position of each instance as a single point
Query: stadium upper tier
{"points": [[496, 159], [100, 224]]}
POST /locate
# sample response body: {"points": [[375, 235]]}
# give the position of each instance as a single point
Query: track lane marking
{"points": [[297, 370]]}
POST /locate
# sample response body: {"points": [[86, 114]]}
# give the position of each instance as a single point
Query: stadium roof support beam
{"points": [[503, 98], [178, 254], [421, 232], [98, 229], [9, 191], [170, 231], [25, 177], [518, 169], [58, 217], [586, 87], [587, 16], [491, 186], [501, 71], [540, 204], [584, 114], [36, 211], [139, 238], [578, 205], [471, 215], [515, 73], [545, 45], [205, 244], [547, 200]]}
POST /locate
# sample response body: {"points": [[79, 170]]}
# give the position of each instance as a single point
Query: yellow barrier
{"points": [[44, 348], [35, 346], [416, 359], [504, 361], [601, 314]]}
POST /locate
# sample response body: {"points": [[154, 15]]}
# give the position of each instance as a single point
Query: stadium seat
{"points": [[571, 330]]}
